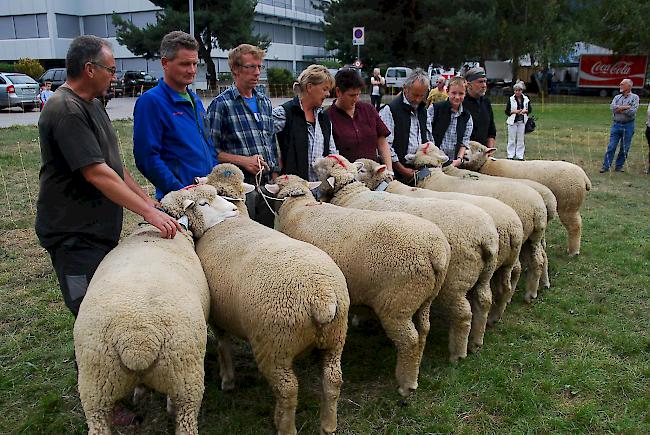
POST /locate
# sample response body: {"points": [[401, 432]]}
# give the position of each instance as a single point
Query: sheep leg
{"points": [[459, 311], [572, 221], [501, 292], [284, 383], [422, 325], [481, 301], [332, 380], [544, 279], [402, 332], [226, 366], [533, 257], [187, 411]]}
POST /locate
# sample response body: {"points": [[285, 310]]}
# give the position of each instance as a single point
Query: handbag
{"points": [[531, 125]]}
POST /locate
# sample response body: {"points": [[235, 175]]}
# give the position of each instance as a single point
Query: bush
{"points": [[6, 67], [280, 81], [224, 77], [31, 67]]}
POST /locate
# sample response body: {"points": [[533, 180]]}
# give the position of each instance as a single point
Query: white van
{"points": [[396, 76]]}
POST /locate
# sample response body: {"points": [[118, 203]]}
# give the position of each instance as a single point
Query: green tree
{"points": [[31, 67], [217, 24], [616, 24]]}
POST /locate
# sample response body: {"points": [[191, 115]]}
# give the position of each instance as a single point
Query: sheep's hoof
{"points": [[406, 391], [529, 298], [491, 321], [227, 384], [474, 347], [454, 359]]}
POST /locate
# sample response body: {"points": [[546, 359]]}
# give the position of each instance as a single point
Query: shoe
{"points": [[603, 170], [619, 170], [123, 416]]}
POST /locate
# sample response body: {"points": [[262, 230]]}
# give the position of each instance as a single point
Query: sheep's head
{"points": [[228, 180], [427, 155], [292, 185], [372, 173], [334, 171], [202, 206], [478, 154]]}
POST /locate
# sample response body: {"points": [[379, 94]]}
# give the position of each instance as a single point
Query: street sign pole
{"points": [[358, 39]]}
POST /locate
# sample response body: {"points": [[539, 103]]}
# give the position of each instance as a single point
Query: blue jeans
{"points": [[619, 133]]}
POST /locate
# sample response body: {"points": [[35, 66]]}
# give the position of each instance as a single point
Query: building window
{"points": [[312, 38], [67, 26], [25, 26], [95, 25], [41, 20], [277, 32], [141, 19], [7, 28]]}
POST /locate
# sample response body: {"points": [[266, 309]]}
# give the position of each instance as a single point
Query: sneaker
{"points": [[619, 170], [603, 170]]}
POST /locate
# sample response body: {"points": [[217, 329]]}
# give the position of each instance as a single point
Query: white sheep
{"points": [[282, 295], [394, 263], [544, 192], [143, 321], [525, 201], [506, 221], [567, 181], [472, 237]]}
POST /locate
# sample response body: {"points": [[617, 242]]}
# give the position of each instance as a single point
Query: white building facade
{"points": [[43, 29]]}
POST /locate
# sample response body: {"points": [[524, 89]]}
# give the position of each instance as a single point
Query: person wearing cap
{"points": [[480, 107], [406, 119], [517, 109], [437, 94]]}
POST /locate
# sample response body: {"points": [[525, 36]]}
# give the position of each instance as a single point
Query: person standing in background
{"points": [[623, 107], [647, 136], [376, 90], [517, 109], [438, 93]]}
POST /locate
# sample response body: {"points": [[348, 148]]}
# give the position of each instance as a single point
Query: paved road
{"points": [[117, 108]]}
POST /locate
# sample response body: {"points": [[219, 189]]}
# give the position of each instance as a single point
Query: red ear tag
{"points": [[191, 186]]}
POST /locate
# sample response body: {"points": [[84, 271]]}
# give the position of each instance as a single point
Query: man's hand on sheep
{"points": [[164, 222]]}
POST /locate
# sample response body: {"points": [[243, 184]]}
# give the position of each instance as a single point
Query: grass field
{"points": [[575, 361]]}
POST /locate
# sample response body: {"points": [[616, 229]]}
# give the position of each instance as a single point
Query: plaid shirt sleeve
{"points": [[387, 116], [468, 132]]}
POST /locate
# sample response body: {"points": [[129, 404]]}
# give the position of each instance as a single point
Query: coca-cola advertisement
{"points": [[607, 71]]}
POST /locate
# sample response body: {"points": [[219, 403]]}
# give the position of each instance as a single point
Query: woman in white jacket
{"points": [[517, 109]]}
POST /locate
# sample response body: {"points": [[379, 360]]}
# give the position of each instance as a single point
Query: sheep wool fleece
{"points": [[283, 295], [525, 201], [473, 239], [507, 224], [394, 263], [144, 321]]}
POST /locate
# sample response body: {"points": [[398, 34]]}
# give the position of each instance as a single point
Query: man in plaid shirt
{"points": [[241, 126]]}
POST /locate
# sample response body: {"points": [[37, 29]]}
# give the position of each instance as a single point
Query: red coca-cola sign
{"points": [[607, 71]]}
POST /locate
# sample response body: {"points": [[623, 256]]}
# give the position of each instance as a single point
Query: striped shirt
{"points": [[414, 133], [237, 130], [314, 133], [448, 145]]}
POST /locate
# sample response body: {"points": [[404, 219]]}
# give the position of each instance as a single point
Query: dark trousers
{"points": [[75, 260], [257, 208], [375, 100]]}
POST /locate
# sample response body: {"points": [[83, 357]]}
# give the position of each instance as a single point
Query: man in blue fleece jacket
{"points": [[171, 134]]}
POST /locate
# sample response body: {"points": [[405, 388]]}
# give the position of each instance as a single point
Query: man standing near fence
{"points": [[83, 185], [624, 107], [171, 138], [241, 126]]}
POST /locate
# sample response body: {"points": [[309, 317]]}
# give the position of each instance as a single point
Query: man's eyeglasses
{"points": [[110, 69], [253, 67]]}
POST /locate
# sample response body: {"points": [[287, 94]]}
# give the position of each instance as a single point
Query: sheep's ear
{"points": [[409, 158], [187, 204], [330, 181], [444, 159], [490, 151], [358, 165], [272, 188], [380, 169], [200, 180], [248, 188], [313, 184]]}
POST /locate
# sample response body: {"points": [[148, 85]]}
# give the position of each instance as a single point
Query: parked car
{"points": [[133, 83], [58, 76], [396, 76], [18, 90]]}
